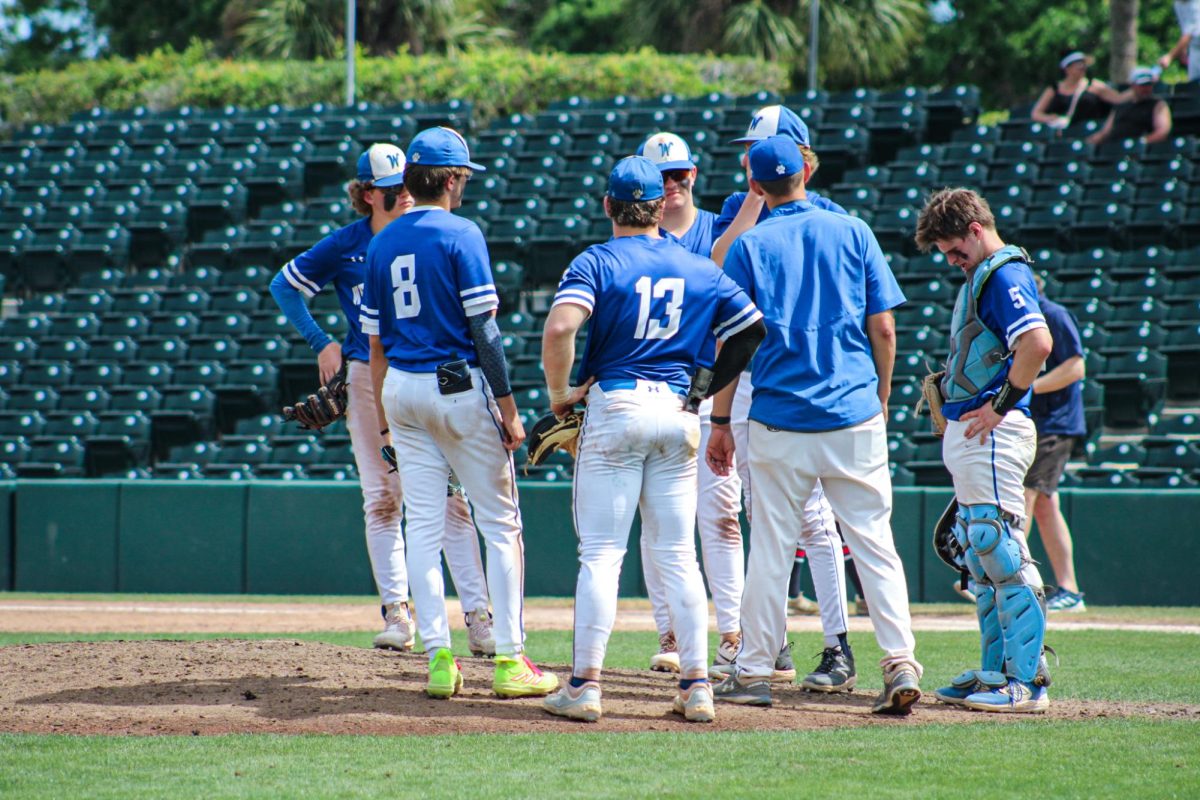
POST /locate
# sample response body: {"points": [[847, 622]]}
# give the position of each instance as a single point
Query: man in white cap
{"points": [[719, 497], [1145, 117], [340, 259]]}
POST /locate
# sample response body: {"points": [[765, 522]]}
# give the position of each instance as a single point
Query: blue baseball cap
{"points": [[380, 162], [776, 121], [667, 151], [1144, 75], [635, 179], [441, 147], [775, 157]]}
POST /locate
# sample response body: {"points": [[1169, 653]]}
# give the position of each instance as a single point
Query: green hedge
{"points": [[498, 81]]}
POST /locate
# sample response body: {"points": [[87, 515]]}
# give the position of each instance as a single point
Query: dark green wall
{"points": [[279, 537]]}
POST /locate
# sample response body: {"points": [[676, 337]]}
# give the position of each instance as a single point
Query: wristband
{"points": [[1007, 398], [715, 420], [559, 396], [385, 432]]}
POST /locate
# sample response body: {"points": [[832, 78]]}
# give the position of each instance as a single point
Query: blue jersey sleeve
{"points": [[1008, 304], [318, 265], [822, 202], [729, 210], [579, 284], [368, 309], [473, 270], [738, 268], [735, 310], [883, 292], [1065, 331]]}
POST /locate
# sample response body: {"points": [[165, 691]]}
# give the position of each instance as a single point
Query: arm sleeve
{"points": [[291, 303], [1009, 304], [477, 290], [490, 351], [883, 292], [736, 353]]}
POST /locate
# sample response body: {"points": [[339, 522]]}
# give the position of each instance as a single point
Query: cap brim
{"points": [[744, 139], [476, 167], [669, 165], [390, 180]]}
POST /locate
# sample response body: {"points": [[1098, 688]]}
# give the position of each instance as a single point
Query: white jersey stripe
{"points": [[1032, 324], [370, 327], [298, 281], [741, 326], [735, 319], [487, 287]]}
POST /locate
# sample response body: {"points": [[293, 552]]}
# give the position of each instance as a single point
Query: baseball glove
{"points": [[550, 433], [324, 408], [931, 395]]}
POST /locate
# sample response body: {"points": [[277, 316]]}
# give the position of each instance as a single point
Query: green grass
{"points": [[1095, 665], [1095, 759]]}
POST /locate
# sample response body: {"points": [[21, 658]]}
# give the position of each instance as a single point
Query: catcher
{"points": [[339, 260]]}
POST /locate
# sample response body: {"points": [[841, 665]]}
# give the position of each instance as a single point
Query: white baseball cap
{"points": [[667, 152], [380, 162], [776, 121]]}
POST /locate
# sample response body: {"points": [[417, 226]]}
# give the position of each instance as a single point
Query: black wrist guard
{"points": [[1007, 398], [720, 420]]}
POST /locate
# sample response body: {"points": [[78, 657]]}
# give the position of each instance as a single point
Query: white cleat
{"points": [[479, 632], [398, 629], [696, 703], [582, 703], [667, 657]]}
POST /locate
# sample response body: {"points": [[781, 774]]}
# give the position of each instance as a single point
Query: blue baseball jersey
{"points": [[699, 237], [652, 305], [1008, 307], [341, 258], [733, 204], [1060, 412], [426, 273], [817, 276]]}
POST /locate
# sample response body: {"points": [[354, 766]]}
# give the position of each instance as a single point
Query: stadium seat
{"points": [[1182, 350], [84, 398]]}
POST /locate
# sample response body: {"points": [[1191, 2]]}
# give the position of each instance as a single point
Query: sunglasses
{"points": [[677, 175]]}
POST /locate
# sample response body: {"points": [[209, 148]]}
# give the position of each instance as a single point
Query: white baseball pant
{"points": [[637, 450], [432, 434], [994, 473], [382, 499], [718, 502], [852, 465], [817, 532]]}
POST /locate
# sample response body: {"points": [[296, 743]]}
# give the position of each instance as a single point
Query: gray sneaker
{"points": [[755, 693], [835, 673], [901, 688], [785, 668]]}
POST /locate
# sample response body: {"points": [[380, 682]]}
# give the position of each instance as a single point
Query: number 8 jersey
{"points": [[652, 305], [426, 273]]}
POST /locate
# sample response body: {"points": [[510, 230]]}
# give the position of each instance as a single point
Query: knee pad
{"points": [[1023, 624], [970, 558], [998, 554], [991, 639]]}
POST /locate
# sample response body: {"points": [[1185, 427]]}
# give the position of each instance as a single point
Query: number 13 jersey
{"points": [[426, 273], [652, 304]]}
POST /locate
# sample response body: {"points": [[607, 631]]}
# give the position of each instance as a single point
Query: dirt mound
{"points": [[282, 686]]}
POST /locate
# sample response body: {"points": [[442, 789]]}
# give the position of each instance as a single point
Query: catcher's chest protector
{"points": [[976, 354]]}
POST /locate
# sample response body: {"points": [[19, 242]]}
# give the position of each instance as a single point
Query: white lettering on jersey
{"points": [[404, 283], [672, 289]]}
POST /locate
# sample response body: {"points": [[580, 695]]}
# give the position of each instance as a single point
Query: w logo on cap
{"points": [[754, 122], [394, 160], [664, 149]]}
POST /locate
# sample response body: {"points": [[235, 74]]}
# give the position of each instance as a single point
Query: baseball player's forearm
{"points": [[747, 218], [1062, 376], [379, 367], [881, 331], [723, 400], [735, 355], [1029, 354], [490, 350], [291, 303], [558, 347]]}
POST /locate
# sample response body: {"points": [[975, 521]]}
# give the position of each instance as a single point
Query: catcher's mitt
{"points": [[550, 433], [931, 395], [325, 407]]}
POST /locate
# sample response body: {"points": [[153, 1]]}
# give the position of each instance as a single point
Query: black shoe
{"points": [[835, 673]]}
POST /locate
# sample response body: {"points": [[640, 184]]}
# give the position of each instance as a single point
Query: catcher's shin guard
{"points": [[1023, 624], [997, 552], [991, 637]]}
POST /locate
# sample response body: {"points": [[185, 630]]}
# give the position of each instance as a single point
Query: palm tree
{"points": [[1123, 22], [292, 29]]}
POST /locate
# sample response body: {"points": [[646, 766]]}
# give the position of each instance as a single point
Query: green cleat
{"points": [[445, 679]]}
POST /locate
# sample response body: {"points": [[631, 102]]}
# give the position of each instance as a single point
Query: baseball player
{"points": [[998, 342], [651, 306], [719, 498], [818, 535], [441, 385], [340, 259], [818, 413]]}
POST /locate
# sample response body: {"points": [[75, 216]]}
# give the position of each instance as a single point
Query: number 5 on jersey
{"points": [[405, 297], [672, 289]]}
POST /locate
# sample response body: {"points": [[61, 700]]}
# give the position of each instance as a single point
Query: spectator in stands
{"points": [[1076, 97], [1188, 56], [1057, 409], [1145, 117]]}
